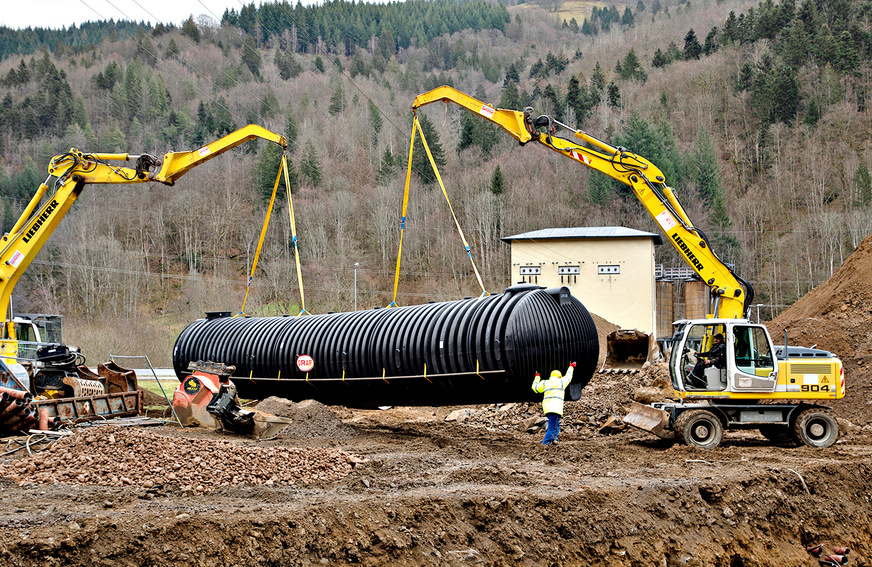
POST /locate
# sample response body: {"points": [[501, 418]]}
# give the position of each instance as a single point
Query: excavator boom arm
{"points": [[68, 175], [644, 178]]}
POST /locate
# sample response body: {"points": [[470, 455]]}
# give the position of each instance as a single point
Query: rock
{"points": [[460, 415], [647, 395], [613, 424], [533, 424], [846, 426]]}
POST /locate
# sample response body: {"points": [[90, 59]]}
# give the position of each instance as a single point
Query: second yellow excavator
{"points": [[68, 174], [740, 366]]}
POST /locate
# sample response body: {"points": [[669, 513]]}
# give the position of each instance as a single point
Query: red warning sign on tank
{"points": [[305, 363]]}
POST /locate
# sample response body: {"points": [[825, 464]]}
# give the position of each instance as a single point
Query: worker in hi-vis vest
{"points": [[552, 401]]}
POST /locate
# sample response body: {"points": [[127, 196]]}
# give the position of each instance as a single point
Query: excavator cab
{"points": [[748, 366]]}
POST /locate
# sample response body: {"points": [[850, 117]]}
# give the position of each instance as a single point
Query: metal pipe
{"points": [[13, 408], [43, 419], [15, 420]]}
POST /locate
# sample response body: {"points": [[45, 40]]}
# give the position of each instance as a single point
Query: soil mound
{"points": [[836, 316], [310, 418]]}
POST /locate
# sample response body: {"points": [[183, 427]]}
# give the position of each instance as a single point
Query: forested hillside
{"points": [[756, 112]]}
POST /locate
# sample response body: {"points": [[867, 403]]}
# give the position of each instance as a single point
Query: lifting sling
{"points": [[283, 167], [416, 127]]}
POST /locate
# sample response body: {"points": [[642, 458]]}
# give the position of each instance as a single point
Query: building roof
{"points": [[584, 232]]}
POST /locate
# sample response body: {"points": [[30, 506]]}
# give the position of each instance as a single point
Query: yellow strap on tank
{"points": [[403, 220], [269, 209], [294, 235], [450, 208]]}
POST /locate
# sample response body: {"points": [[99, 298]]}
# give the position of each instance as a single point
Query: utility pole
{"points": [[356, 264]]}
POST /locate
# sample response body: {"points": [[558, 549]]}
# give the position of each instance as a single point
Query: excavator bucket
{"points": [[629, 349], [649, 419]]}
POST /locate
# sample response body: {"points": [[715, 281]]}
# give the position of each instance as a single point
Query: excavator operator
{"points": [[716, 356]]}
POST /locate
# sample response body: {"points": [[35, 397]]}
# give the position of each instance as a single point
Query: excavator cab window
{"points": [[25, 332], [696, 374], [752, 351]]}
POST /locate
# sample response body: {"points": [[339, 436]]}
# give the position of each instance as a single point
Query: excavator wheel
{"points": [[779, 434], [699, 428], [816, 428]]}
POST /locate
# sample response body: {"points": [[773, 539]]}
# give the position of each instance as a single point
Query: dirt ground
{"points": [[407, 486]]}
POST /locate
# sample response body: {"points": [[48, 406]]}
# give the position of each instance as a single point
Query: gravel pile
{"points": [[111, 456]]}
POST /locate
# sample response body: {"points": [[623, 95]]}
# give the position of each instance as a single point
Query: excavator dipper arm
{"points": [[732, 295]]}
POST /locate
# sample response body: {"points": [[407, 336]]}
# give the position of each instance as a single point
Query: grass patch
{"points": [[169, 386]]}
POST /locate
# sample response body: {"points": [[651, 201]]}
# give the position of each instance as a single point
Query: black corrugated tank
{"points": [[483, 350]]}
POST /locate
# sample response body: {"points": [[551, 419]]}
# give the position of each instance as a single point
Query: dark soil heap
{"points": [[310, 418], [837, 316]]}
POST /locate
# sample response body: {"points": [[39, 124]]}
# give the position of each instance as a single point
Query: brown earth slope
{"points": [[837, 316]]}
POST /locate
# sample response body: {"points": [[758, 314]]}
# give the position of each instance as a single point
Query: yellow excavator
{"points": [[726, 371], [68, 174]]}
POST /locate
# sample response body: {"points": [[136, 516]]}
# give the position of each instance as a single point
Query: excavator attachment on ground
{"points": [[650, 419], [629, 349]]}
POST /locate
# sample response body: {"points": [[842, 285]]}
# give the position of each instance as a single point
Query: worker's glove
{"points": [[572, 364]]}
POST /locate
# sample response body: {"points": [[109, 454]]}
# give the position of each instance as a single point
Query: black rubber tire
{"points": [[816, 428], [779, 434], [699, 428]]}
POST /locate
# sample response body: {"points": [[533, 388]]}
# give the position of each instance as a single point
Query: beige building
{"points": [[609, 269]]}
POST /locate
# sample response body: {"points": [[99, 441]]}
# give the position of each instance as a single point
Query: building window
{"points": [[570, 272], [604, 270], [530, 274]]}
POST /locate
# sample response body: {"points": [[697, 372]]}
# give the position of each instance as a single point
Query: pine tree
{"points": [[269, 159], [337, 100], [599, 189], [420, 161], [598, 78], [112, 139], [692, 48], [863, 183], [251, 56], [812, 113], [388, 167], [291, 131], [310, 167], [190, 29], [711, 42], [510, 97], [574, 97], [552, 102], [498, 183], [705, 163], [847, 57], [172, 50], [375, 121], [631, 68], [614, 95]]}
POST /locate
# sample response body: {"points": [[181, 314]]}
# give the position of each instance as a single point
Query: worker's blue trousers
{"points": [[553, 428]]}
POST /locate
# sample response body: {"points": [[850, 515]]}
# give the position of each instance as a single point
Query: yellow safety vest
{"points": [[554, 389]]}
